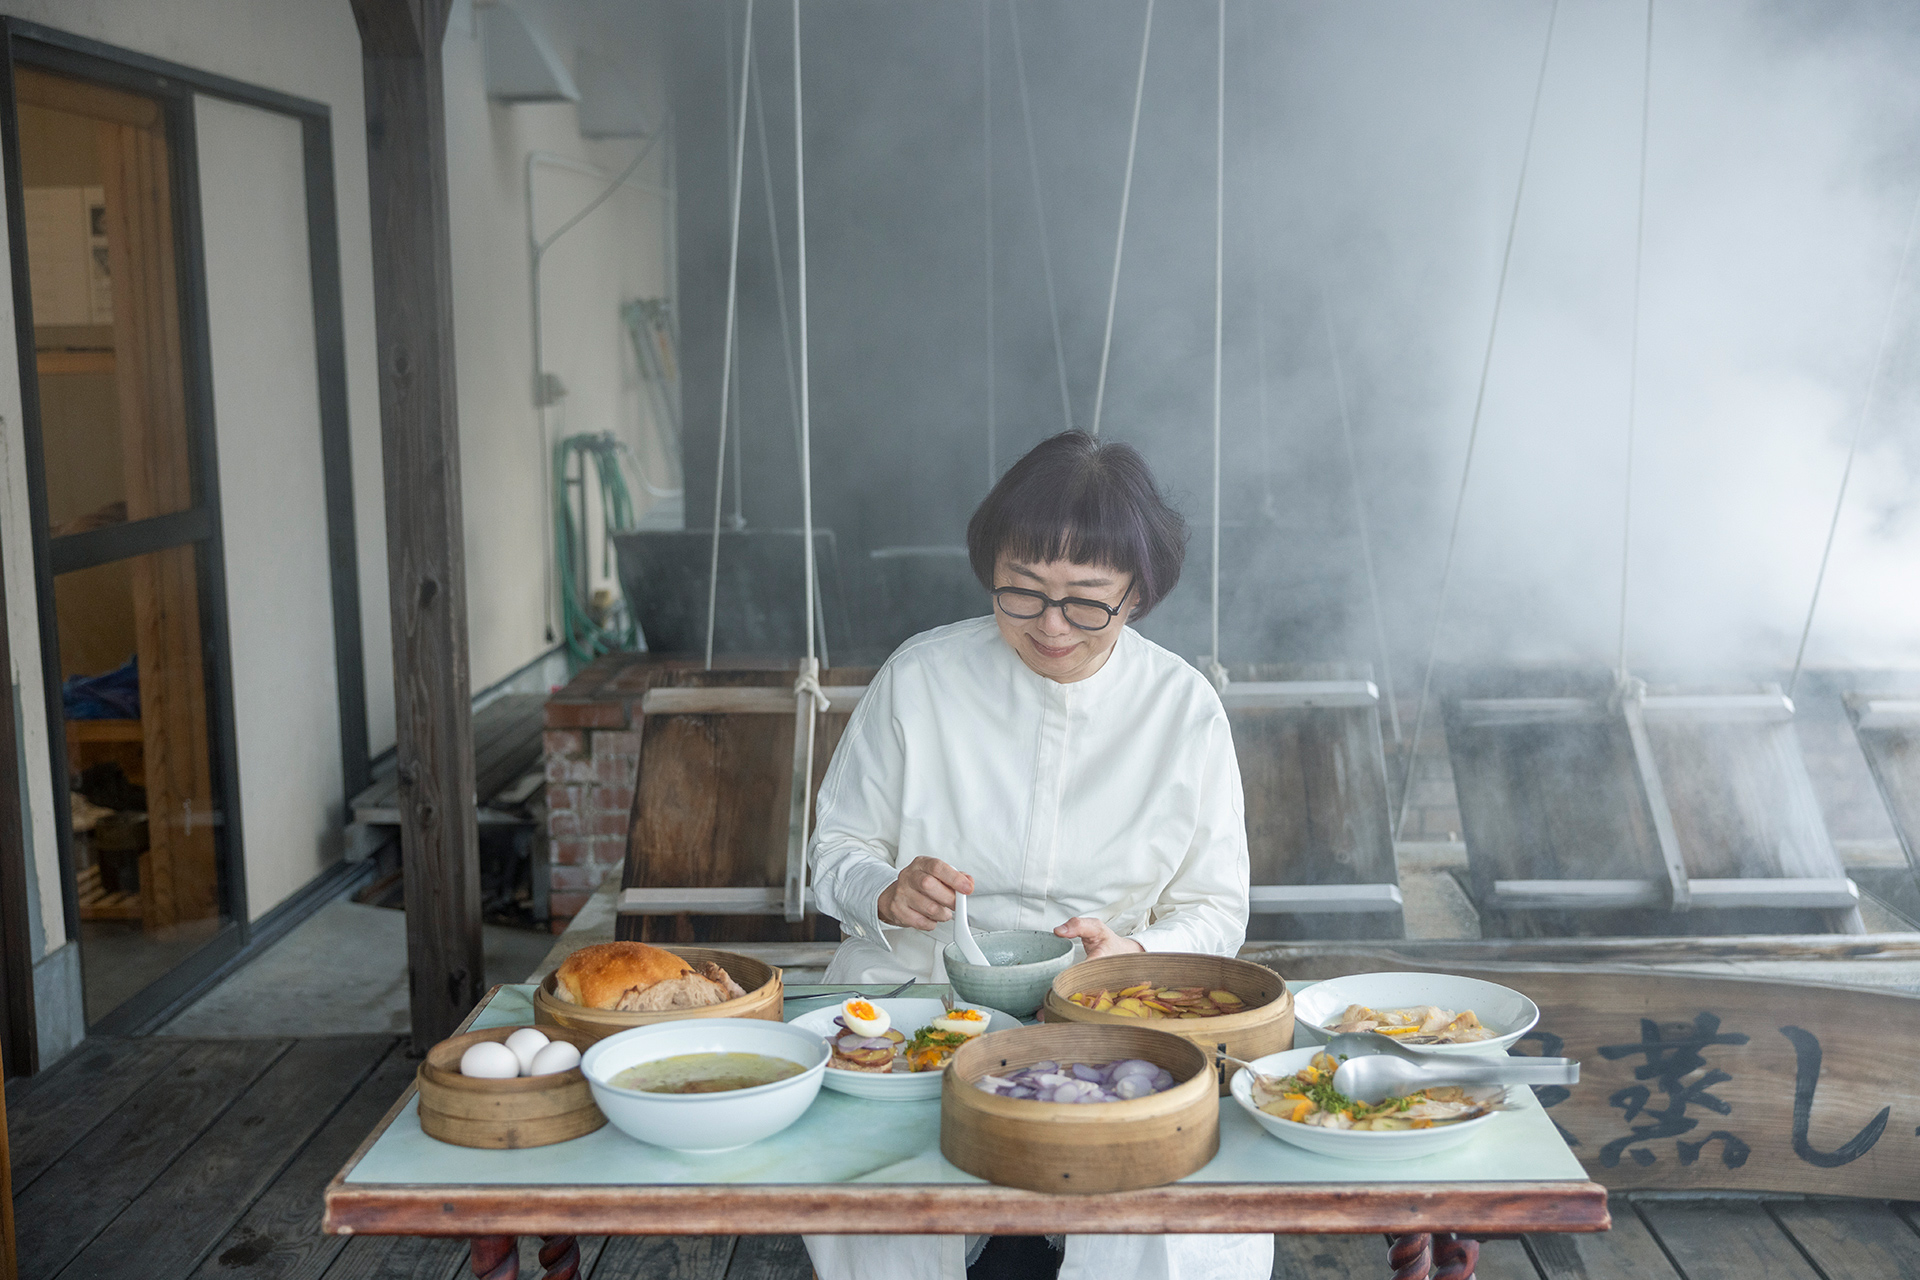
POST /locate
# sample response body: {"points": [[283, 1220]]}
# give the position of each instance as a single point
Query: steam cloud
{"points": [[1373, 151]]}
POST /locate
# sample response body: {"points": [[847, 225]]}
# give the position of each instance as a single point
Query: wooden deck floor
{"points": [[206, 1158]]}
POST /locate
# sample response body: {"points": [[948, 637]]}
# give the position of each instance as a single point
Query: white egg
{"points": [[525, 1043], [860, 1023], [961, 1023], [490, 1060], [555, 1058]]}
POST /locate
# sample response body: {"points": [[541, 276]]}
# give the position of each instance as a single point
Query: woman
{"points": [[1061, 770]]}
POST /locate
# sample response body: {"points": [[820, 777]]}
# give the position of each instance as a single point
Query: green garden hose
{"points": [[588, 638]]}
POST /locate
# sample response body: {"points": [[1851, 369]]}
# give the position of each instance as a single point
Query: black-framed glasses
{"points": [[1086, 615]]}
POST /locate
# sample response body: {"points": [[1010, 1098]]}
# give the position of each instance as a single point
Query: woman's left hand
{"points": [[1099, 940]]}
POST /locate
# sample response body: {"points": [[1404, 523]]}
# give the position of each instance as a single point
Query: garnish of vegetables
{"points": [[931, 1048], [1308, 1097]]}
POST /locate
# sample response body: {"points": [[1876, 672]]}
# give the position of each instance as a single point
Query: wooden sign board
{"points": [[1704, 1083]]}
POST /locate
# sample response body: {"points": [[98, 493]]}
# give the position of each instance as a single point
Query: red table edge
{"points": [[1483, 1208]]}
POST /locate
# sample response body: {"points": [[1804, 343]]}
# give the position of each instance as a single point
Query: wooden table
{"points": [[1517, 1177]]}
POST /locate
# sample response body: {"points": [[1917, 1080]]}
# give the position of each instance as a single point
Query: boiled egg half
{"points": [[966, 1022], [864, 1018]]}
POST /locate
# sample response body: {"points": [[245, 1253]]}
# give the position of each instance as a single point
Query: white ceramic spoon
{"points": [[963, 936]]}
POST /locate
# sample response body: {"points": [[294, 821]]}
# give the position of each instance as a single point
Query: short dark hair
{"points": [[1074, 497]]}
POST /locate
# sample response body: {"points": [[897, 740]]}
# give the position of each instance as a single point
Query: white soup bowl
{"points": [[703, 1123], [1501, 1010]]}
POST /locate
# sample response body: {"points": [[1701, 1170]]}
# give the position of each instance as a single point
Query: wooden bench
{"points": [[710, 850], [1888, 731], [1319, 825], [506, 748], [709, 853], [1586, 812]]}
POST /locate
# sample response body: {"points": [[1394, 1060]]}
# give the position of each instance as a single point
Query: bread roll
{"points": [[599, 976]]}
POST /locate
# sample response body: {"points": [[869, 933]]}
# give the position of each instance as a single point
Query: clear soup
{"points": [[706, 1073]]}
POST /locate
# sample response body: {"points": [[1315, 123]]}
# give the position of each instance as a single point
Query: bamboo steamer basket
{"points": [[1079, 1148], [530, 1111], [1265, 1026], [761, 982]]}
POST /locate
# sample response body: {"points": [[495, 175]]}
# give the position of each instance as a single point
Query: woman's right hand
{"points": [[922, 895]]}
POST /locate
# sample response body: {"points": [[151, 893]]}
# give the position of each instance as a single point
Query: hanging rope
{"points": [[1473, 432], [1040, 209], [738, 520], [1853, 445], [773, 240], [1214, 669], [809, 699], [986, 147], [1120, 236], [811, 670], [1360, 516], [726, 356], [1268, 510], [1633, 358]]}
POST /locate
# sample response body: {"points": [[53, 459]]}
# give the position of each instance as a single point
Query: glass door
{"points": [[129, 527]]}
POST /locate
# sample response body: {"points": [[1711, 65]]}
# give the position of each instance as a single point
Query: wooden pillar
{"points": [[420, 450]]}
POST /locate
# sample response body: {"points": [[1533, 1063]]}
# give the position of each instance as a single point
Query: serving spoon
{"points": [[963, 936], [1378, 1076]]}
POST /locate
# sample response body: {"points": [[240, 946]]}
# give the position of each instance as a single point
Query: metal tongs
{"points": [[1377, 1068]]}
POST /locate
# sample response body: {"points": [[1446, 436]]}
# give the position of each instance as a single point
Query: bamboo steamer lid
{"points": [[1265, 1026], [761, 982], [529, 1111], [1079, 1148]]}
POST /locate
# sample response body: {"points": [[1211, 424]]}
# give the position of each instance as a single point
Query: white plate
{"points": [[1347, 1144], [908, 1017], [1502, 1010]]}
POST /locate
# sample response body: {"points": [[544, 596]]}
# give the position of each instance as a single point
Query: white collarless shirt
{"points": [[1117, 797]]}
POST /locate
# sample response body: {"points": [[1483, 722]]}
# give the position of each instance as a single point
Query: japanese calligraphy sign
{"points": [[1696, 1082]]}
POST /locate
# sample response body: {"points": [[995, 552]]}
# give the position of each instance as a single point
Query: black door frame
{"points": [[31, 44]]}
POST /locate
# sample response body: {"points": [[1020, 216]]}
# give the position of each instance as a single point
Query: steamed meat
{"points": [[708, 984], [1419, 1024], [714, 973]]}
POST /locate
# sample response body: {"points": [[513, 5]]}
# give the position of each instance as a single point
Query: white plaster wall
{"points": [[23, 643], [266, 403], [617, 253]]}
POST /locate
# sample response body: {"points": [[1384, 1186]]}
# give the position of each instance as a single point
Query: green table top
{"points": [[846, 1140]]}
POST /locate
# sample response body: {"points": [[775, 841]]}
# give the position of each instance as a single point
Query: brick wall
{"points": [[590, 777], [592, 746]]}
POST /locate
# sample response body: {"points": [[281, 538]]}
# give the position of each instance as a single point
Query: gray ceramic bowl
{"points": [[1024, 965]]}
